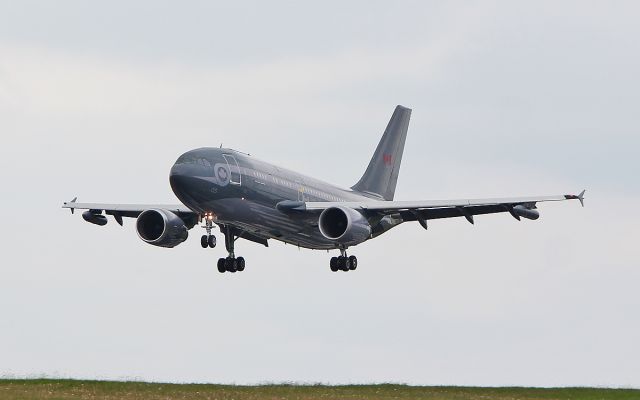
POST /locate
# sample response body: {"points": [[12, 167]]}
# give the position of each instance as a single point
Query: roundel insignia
{"points": [[223, 174]]}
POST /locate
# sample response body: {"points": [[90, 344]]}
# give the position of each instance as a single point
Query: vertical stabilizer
{"points": [[381, 175]]}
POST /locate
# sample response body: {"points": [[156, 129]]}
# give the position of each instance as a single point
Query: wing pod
{"points": [[95, 217], [344, 225], [161, 228], [524, 212]]}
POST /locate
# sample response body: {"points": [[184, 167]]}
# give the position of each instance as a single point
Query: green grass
{"points": [[27, 389]]}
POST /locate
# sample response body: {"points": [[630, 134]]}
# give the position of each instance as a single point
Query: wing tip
{"points": [[69, 204], [579, 197]]}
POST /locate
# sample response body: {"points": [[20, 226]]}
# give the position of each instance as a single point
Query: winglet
{"points": [[579, 197], [71, 202]]}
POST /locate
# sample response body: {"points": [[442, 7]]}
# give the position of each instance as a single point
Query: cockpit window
{"points": [[191, 159], [186, 159]]}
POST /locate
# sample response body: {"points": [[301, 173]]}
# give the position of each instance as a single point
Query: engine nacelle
{"points": [[344, 225], [161, 228]]}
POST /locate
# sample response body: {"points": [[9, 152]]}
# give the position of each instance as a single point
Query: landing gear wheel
{"points": [[211, 241], [221, 267], [204, 241], [230, 264], [240, 264], [353, 263], [343, 263], [333, 264]]}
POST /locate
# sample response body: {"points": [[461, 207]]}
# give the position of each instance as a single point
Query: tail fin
{"points": [[381, 175]]}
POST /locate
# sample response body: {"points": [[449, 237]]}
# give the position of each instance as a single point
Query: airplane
{"points": [[258, 201]]}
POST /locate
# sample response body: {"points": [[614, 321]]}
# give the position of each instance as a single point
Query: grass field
{"points": [[72, 389]]}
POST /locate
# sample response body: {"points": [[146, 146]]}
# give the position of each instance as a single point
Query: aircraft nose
{"points": [[184, 174], [180, 175], [178, 170]]}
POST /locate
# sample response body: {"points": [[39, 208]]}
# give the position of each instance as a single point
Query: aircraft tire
{"points": [[230, 264], [343, 263], [353, 263], [204, 241], [333, 264], [221, 267], [240, 264], [211, 241]]}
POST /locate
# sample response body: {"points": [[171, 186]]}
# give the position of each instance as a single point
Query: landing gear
{"points": [[343, 263], [208, 240], [231, 263]]}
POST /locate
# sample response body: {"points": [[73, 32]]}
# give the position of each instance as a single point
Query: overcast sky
{"points": [[98, 99]]}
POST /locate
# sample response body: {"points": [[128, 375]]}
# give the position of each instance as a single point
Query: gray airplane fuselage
{"points": [[239, 189]]}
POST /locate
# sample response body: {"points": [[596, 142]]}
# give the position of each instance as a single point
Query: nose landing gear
{"points": [[208, 240]]}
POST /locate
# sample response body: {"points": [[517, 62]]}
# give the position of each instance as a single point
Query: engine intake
{"points": [[344, 225], [161, 228]]}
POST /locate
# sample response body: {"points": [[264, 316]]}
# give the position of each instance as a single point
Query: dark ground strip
{"points": [[51, 389]]}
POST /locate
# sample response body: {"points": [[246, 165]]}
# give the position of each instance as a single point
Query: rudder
{"points": [[381, 176]]}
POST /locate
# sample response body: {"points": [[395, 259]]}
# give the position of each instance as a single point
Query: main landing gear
{"points": [[231, 263], [343, 263]]}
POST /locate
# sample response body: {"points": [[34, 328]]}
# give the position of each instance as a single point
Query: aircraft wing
{"points": [[434, 209], [127, 210]]}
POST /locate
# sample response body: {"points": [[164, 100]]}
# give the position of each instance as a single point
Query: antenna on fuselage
{"points": [[220, 145]]}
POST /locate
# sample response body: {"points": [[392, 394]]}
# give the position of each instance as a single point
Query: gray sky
{"points": [[510, 98]]}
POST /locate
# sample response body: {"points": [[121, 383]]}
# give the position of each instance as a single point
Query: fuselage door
{"points": [[236, 177]]}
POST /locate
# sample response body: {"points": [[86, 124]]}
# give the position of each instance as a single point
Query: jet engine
{"points": [[344, 225], [161, 228]]}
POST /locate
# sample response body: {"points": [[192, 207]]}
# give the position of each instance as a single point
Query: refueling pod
{"points": [[344, 225], [525, 212], [95, 217], [161, 228]]}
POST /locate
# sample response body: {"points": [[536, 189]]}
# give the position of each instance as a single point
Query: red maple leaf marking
{"points": [[387, 159]]}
